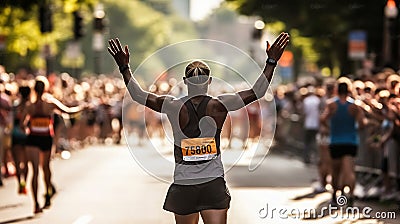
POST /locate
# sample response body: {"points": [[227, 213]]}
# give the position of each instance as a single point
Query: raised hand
{"points": [[120, 56], [275, 51]]}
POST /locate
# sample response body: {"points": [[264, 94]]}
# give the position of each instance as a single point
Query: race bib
{"points": [[198, 149], [41, 124]]}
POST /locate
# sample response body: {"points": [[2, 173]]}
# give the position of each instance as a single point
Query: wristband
{"points": [[271, 61], [123, 68]]}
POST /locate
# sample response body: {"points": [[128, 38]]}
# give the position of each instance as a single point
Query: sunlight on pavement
{"points": [[84, 219], [117, 190]]}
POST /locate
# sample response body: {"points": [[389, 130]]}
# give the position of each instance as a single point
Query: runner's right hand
{"points": [[121, 56]]}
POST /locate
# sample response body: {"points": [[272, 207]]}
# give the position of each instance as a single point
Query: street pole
{"points": [[386, 52], [2, 50], [46, 26], [98, 37], [257, 35], [391, 12], [49, 59]]}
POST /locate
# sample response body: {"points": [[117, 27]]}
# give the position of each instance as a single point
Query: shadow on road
{"points": [[18, 220], [307, 196]]}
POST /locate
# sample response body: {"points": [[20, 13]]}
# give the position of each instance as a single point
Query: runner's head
{"points": [[25, 91], [344, 86], [343, 89], [41, 85], [197, 73]]}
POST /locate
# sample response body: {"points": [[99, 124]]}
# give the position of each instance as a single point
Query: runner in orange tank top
{"points": [[37, 119]]}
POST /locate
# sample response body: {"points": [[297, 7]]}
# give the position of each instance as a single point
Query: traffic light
{"points": [[99, 24], [258, 30], [78, 25], [45, 19], [257, 34]]}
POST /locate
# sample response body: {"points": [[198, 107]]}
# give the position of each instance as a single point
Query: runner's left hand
{"points": [[275, 50]]}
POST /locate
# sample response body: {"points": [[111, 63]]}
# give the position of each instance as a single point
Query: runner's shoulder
{"points": [[171, 100], [331, 100], [331, 103], [216, 105], [29, 107]]}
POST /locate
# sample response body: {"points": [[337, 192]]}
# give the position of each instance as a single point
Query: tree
{"points": [[146, 30], [137, 23], [327, 22], [21, 23]]}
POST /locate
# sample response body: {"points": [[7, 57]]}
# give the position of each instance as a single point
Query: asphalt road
{"points": [[117, 184]]}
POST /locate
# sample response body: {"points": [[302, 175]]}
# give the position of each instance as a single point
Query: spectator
{"points": [[5, 107], [311, 110]]}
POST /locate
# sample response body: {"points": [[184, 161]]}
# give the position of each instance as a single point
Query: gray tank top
{"points": [[197, 146]]}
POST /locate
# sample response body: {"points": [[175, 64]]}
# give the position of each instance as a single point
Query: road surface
{"points": [[107, 184]]}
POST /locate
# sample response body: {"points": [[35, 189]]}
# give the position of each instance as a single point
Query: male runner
{"points": [[196, 120], [343, 115]]}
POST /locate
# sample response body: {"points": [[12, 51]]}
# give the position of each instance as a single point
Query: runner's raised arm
{"points": [[235, 101], [121, 57]]}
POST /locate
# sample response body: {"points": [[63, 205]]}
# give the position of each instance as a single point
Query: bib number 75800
{"points": [[198, 149]]}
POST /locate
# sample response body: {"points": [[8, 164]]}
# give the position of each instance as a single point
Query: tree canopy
{"points": [[145, 25], [326, 22]]}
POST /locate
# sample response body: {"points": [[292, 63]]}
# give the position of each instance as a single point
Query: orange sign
{"points": [[286, 59], [357, 44]]}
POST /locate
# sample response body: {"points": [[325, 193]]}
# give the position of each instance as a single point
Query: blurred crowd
{"points": [[102, 120], [299, 108]]}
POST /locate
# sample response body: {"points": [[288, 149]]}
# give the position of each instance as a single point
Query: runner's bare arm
{"points": [[240, 99], [23, 122], [326, 114], [360, 118], [121, 57], [63, 108]]}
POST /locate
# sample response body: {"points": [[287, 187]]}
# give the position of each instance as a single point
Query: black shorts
{"points": [[44, 143], [338, 151], [18, 137], [188, 199]]}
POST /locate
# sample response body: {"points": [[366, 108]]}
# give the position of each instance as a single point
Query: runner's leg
{"points": [[46, 155], [187, 219], [19, 156], [348, 175], [33, 158], [336, 173], [214, 216], [324, 165]]}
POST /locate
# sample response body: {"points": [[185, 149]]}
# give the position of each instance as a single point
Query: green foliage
{"points": [[145, 31], [326, 22], [21, 4], [163, 6], [140, 24], [19, 23]]}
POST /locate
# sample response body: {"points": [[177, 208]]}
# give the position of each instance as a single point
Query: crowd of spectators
{"points": [[102, 121], [378, 157]]}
